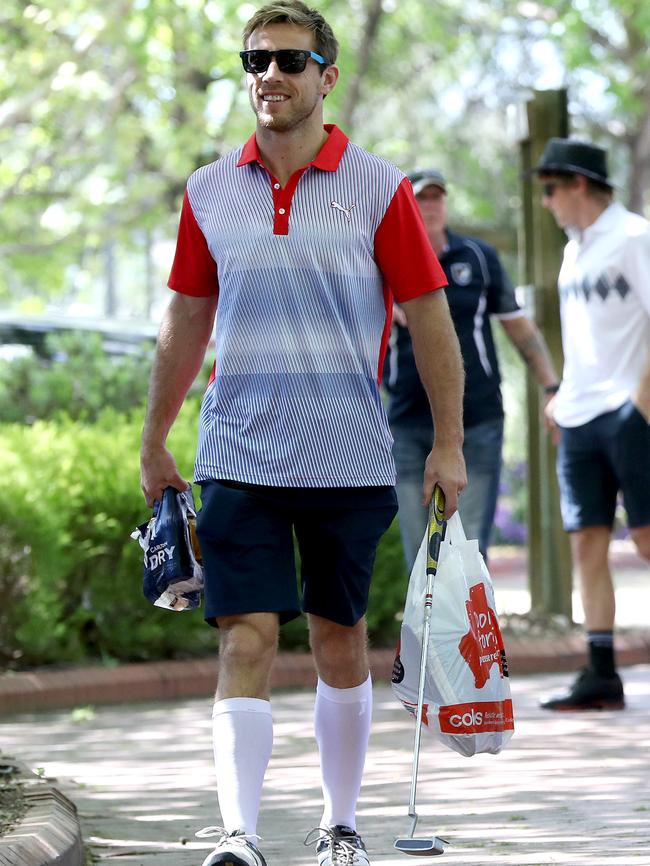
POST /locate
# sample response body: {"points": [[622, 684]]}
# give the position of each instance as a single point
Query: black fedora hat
{"points": [[568, 156]]}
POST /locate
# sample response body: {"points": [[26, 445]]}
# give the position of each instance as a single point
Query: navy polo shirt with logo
{"points": [[478, 288], [305, 276]]}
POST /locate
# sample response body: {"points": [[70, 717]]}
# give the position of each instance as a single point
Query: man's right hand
{"points": [[549, 420], [158, 470]]}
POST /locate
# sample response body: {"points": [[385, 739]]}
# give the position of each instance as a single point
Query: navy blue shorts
{"points": [[247, 540], [596, 460]]}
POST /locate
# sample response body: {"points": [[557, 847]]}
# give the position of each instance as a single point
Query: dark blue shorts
{"points": [[247, 540], [596, 460]]}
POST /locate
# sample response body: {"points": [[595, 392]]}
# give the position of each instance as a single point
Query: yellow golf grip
{"points": [[435, 529]]}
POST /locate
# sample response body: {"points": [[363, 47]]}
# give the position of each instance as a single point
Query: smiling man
{"points": [[301, 240]]}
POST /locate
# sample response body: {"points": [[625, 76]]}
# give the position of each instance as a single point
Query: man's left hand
{"points": [[445, 466]]}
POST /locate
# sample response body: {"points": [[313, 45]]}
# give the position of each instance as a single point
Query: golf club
{"points": [[431, 845]]}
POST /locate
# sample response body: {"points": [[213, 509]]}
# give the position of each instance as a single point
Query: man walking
{"points": [[478, 289], [299, 239], [602, 408]]}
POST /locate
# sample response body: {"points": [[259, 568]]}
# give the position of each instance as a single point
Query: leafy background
{"points": [[105, 109]]}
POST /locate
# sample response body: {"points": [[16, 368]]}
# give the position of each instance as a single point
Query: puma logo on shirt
{"points": [[345, 210]]}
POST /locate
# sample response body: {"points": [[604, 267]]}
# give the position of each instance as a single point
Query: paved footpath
{"points": [[570, 789]]}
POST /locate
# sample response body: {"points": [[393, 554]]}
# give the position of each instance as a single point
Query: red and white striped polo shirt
{"points": [[305, 276]]}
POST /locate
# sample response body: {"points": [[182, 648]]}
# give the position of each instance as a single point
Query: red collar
{"points": [[327, 158]]}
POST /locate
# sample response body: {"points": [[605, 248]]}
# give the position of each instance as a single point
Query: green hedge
{"points": [[76, 378], [70, 575]]}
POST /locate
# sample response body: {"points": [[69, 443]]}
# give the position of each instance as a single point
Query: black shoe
{"points": [[590, 691]]}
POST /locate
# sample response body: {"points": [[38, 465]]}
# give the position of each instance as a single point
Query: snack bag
{"points": [[173, 570]]}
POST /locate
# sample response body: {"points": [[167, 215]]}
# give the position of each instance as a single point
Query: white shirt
{"points": [[604, 287]]}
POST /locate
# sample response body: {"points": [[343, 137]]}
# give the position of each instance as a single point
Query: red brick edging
{"points": [[46, 689]]}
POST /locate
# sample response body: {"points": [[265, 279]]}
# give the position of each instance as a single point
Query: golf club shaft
{"points": [[418, 718], [435, 534]]}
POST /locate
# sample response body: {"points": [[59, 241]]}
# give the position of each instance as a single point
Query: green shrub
{"points": [[74, 498], [78, 379], [71, 586]]}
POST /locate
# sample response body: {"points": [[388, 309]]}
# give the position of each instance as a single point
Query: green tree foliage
{"points": [[603, 47], [106, 109]]}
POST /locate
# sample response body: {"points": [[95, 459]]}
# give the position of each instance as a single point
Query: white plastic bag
{"points": [[467, 700]]}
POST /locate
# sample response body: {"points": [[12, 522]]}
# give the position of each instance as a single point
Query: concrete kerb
{"points": [[49, 833]]}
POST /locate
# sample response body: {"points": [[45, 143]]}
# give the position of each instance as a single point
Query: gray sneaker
{"points": [[232, 849], [338, 846]]}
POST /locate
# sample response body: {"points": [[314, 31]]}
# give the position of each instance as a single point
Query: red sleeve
{"points": [[194, 271], [403, 251]]}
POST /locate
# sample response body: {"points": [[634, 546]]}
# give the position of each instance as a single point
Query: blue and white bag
{"points": [[173, 571]]}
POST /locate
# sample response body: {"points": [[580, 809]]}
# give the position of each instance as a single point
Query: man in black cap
{"points": [[478, 288], [602, 408]]}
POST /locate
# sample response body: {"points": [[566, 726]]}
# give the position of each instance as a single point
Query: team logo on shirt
{"points": [[346, 210], [461, 273]]}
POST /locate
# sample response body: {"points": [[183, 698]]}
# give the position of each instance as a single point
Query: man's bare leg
{"points": [[342, 718], [598, 686], [242, 725]]}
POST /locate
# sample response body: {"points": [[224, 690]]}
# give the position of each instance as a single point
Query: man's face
{"points": [[561, 195], [432, 202], [282, 101]]}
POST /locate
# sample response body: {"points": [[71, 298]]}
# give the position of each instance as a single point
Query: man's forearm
{"points": [[184, 334], [439, 362], [529, 342]]}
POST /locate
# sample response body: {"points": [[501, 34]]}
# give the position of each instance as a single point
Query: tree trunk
{"points": [[374, 12], [639, 173]]}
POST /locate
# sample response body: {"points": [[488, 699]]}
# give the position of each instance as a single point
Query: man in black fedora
{"points": [[602, 408]]}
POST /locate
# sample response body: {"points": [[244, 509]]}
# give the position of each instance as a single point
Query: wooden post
{"points": [[541, 246]]}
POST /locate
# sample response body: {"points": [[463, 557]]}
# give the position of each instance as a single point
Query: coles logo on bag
{"points": [[482, 646], [477, 717]]}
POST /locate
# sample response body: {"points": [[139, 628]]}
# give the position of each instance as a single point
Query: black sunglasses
{"points": [[289, 60]]}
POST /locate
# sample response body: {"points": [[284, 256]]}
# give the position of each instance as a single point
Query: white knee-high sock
{"points": [[242, 738], [342, 721]]}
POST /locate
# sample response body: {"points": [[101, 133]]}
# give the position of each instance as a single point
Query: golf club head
{"points": [[430, 847]]}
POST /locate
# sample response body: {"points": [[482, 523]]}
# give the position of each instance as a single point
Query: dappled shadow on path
{"points": [[570, 789]]}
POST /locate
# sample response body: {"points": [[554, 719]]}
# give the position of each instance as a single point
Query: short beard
{"points": [[277, 124]]}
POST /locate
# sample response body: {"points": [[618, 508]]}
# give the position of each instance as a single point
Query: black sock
{"points": [[601, 652]]}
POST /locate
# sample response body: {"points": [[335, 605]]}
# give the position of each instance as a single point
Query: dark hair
{"points": [[298, 13], [594, 188]]}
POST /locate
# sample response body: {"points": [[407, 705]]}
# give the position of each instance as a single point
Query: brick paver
{"points": [[570, 789]]}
